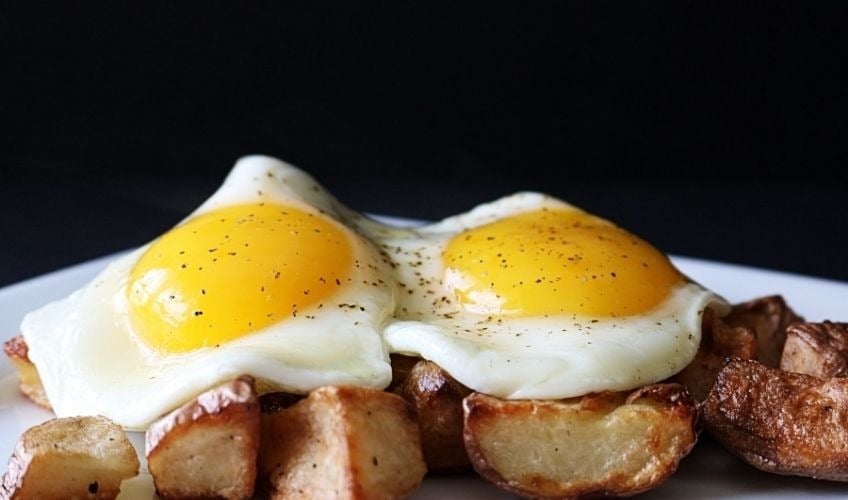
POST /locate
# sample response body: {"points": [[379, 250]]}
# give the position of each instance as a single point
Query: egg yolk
{"points": [[553, 262], [233, 271]]}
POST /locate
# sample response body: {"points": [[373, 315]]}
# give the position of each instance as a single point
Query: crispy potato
{"points": [[781, 422], [77, 457], [613, 444], [768, 317], [718, 342], [437, 400], [29, 381], [208, 447], [342, 442], [817, 349]]}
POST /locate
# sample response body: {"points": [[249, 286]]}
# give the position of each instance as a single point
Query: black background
{"points": [[714, 130]]}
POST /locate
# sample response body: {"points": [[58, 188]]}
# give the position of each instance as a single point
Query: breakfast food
{"points": [[262, 279], [817, 349], [525, 297], [341, 442], [768, 317], [77, 457], [377, 353], [29, 382], [529, 297], [719, 341], [779, 421], [756, 329], [437, 400], [608, 444], [208, 447]]}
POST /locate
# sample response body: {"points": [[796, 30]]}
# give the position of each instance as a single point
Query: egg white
{"points": [[548, 357], [91, 361]]}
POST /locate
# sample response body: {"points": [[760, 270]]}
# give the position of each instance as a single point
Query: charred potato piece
{"points": [[817, 349], [77, 457], [781, 422], [342, 442], [768, 317], [29, 381], [719, 341], [437, 400], [608, 444], [208, 447]]}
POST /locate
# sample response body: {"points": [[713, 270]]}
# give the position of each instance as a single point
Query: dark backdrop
{"points": [[714, 130]]}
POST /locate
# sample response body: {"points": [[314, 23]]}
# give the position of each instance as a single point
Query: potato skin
{"points": [[608, 444], [817, 349], [781, 422], [29, 381], [768, 317], [437, 400]]}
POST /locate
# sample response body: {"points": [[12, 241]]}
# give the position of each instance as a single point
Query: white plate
{"points": [[708, 472]]}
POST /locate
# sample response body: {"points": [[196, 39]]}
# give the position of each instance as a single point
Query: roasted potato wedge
{"points": [[608, 444], [768, 317], [719, 341], [437, 400], [77, 457], [208, 447], [29, 381], [817, 349], [781, 422], [342, 442]]}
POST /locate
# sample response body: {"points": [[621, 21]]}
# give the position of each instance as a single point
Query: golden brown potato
{"points": [[77, 457], [342, 442], [613, 444], [768, 317], [781, 422], [817, 349], [437, 400], [719, 341], [29, 381], [208, 447]]}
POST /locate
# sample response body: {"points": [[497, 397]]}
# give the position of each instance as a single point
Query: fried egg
{"points": [[530, 297], [265, 278]]}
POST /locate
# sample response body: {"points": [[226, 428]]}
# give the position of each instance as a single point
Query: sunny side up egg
{"points": [[530, 297], [265, 278], [525, 297]]}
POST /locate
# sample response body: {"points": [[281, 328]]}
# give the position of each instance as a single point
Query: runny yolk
{"points": [[553, 262], [233, 271]]}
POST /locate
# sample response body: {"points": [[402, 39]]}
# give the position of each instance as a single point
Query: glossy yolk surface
{"points": [[553, 262], [233, 271]]}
